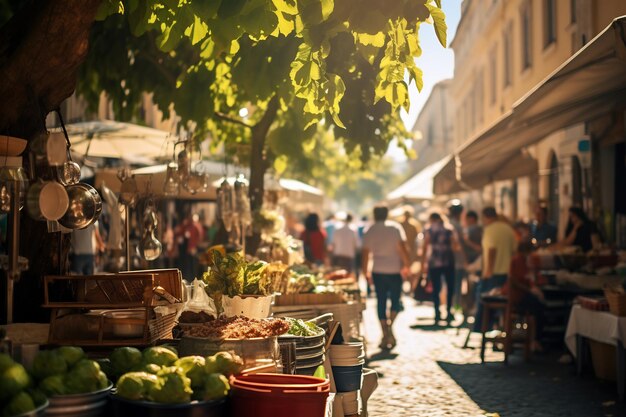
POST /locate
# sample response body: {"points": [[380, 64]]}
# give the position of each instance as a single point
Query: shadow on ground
{"points": [[517, 388]]}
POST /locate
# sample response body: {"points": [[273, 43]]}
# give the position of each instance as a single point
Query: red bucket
{"points": [[279, 395]]}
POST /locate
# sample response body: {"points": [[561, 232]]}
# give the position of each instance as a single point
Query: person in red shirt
{"points": [[524, 295], [314, 239]]}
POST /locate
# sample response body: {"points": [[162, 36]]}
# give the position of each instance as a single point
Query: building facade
{"points": [[503, 49], [433, 127]]}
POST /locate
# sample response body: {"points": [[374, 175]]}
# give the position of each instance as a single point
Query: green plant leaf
{"points": [[108, 8], [280, 164], [286, 6], [439, 21]]}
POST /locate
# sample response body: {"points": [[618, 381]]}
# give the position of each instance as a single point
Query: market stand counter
{"points": [[602, 327]]}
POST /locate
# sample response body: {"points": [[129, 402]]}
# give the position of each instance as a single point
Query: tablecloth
{"points": [[600, 326]]}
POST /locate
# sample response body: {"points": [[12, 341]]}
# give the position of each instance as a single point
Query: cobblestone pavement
{"points": [[429, 374]]}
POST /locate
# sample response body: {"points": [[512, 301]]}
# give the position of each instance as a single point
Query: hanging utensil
{"points": [[149, 247], [128, 189]]}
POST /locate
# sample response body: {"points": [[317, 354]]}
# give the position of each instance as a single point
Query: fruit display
{"points": [[17, 395], [160, 376], [66, 370]]}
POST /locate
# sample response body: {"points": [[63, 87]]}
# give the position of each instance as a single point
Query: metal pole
{"points": [[13, 271], [128, 262]]}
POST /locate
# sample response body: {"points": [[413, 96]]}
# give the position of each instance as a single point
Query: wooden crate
{"points": [[308, 299], [79, 304]]}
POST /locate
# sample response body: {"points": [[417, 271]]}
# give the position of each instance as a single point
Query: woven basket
{"points": [[617, 301]]}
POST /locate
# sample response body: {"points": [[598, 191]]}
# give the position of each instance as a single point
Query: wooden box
{"points": [[131, 308], [308, 299]]}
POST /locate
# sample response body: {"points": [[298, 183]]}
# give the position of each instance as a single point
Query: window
{"points": [[553, 190], [431, 133], [493, 72], [507, 47], [527, 47], [549, 22], [577, 182], [572, 11], [480, 97]]}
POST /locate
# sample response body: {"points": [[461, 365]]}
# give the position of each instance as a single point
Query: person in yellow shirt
{"points": [[498, 245]]}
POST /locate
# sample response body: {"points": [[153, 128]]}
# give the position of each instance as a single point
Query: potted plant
{"points": [[239, 287]]}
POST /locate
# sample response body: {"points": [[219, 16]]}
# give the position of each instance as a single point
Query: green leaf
{"points": [[280, 164], [139, 17], [198, 30], [377, 40], [108, 8], [313, 12], [230, 8], [259, 20], [171, 37], [205, 9], [285, 25], [337, 121], [286, 6], [439, 21]]}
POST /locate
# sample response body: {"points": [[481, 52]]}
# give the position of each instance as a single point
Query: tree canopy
{"points": [[340, 62]]}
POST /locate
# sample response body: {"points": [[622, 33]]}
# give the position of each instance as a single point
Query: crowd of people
{"points": [[447, 249]]}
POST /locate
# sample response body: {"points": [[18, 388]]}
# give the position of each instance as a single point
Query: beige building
{"points": [[503, 49], [433, 128]]}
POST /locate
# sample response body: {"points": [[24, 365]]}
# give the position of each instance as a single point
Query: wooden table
{"points": [[602, 327]]}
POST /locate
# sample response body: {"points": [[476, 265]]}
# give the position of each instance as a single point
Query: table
{"points": [[600, 326]]}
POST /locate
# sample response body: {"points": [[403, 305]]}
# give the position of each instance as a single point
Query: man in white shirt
{"points": [[345, 243], [386, 241]]}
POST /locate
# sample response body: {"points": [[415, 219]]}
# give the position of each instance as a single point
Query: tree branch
{"points": [[42, 46], [230, 119]]}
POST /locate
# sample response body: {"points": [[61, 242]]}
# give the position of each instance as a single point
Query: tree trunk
{"points": [[259, 165], [41, 48]]}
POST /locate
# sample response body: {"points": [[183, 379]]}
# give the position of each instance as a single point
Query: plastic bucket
{"points": [[281, 382], [348, 378], [276, 395], [126, 408], [257, 307]]}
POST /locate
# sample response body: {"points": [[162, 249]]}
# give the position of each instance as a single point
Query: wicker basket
{"points": [[617, 301]]}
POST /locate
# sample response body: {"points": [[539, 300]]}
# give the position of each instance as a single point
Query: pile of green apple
{"points": [[158, 375]]}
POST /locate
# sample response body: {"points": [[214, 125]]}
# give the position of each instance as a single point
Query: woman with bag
{"points": [[439, 262]]}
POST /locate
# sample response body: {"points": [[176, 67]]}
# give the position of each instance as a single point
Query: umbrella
{"points": [[110, 139]]}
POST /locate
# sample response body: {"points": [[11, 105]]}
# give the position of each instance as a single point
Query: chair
{"points": [[511, 318]]}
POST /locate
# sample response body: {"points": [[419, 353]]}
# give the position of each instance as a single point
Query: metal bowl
{"points": [[91, 404], [213, 408], [37, 412], [84, 208]]}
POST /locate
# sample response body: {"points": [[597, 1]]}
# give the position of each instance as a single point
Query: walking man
{"points": [[499, 246], [386, 243], [344, 244]]}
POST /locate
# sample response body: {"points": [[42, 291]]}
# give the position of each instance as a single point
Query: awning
{"points": [[417, 188], [111, 139], [590, 84]]}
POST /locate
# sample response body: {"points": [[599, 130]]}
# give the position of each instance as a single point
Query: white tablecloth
{"points": [[600, 326]]}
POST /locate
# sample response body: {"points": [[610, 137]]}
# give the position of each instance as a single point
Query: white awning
{"points": [[590, 84], [111, 139], [417, 188]]}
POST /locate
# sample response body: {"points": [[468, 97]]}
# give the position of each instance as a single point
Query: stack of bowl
{"points": [[347, 362], [309, 354]]}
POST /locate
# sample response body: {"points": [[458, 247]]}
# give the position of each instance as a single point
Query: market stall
{"points": [[585, 293]]}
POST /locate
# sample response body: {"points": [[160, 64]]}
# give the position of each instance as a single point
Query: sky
{"points": [[436, 62]]}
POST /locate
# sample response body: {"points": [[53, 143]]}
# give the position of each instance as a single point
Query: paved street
{"points": [[428, 374]]}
